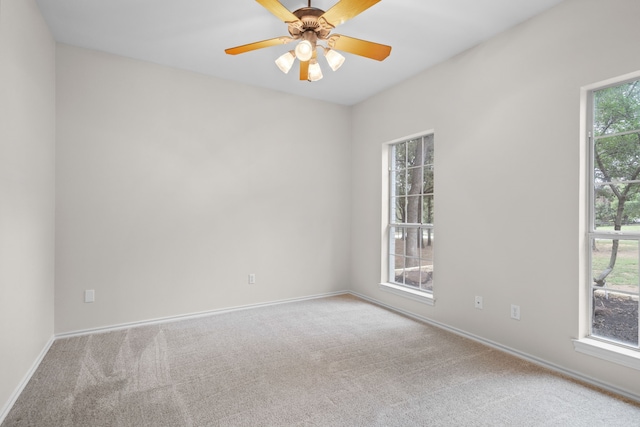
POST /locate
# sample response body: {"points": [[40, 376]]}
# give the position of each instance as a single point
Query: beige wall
{"points": [[506, 116], [27, 156], [173, 186]]}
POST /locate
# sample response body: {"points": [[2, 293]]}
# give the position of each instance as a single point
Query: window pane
{"points": [[427, 209], [603, 199], [426, 260], [412, 246], [617, 158], [427, 184], [426, 250], [607, 199], [398, 247], [400, 209], [400, 183], [413, 209], [426, 277], [397, 272], [414, 153], [428, 150], [615, 316], [400, 156], [615, 264], [617, 109], [412, 272], [414, 181]]}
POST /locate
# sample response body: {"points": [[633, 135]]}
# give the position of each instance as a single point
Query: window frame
{"points": [[587, 343], [388, 223]]}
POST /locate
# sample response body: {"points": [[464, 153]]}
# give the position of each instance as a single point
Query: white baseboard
{"points": [[191, 315], [16, 393], [540, 362]]}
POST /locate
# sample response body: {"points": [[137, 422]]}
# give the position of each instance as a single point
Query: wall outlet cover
{"points": [[515, 312], [89, 295]]}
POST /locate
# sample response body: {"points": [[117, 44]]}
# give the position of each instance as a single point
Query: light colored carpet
{"points": [[336, 361]]}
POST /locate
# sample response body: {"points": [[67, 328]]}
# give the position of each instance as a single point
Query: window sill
{"points": [[420, 296], [612, 353]]}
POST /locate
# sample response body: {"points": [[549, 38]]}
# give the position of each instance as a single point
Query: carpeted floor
{"points": [[335, 361]]}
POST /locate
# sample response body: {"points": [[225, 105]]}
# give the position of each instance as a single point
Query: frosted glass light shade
{"points": [[285, 62], [334, 59], [315, 73], [304, 50]]}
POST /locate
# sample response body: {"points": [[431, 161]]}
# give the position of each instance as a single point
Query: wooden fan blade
{"points": [[258, 45], [281, 12], [359, 47], [304, 70], [344, 10]]}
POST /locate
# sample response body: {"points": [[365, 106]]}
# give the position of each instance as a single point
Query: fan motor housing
{"points": [[309, 17]]}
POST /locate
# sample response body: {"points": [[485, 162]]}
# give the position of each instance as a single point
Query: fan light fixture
{"points": [[308, 26], [285, 62], [315, 73], [304, 50], [334, 59]]}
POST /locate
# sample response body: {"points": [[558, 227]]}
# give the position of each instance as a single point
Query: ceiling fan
{"points": [[310, 25]]}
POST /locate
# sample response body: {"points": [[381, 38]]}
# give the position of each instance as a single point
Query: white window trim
{"points": [[607, 351], [403, 291], [586, 344]]}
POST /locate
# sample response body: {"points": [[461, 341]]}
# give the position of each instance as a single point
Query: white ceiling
{"points": [[192, 35]]}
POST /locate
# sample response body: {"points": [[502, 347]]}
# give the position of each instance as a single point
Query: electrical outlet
{"points": [[89, 295], [478, 303], [515, 312], [252, 279]]}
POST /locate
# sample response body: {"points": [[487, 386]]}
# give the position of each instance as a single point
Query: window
{"points": [[614, 223], [410, 228]]}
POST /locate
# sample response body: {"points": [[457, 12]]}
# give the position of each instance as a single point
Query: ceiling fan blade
{"points": [[304, 70], [258, 45], [281, 12], [343, 11], [359, 47]]}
